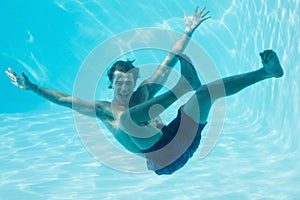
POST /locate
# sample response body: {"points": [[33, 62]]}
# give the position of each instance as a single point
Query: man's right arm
{"points": [[63, 99], [92, 109]]}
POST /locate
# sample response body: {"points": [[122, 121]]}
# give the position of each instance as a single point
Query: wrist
{"points": [[188, 31], [31, 86]]}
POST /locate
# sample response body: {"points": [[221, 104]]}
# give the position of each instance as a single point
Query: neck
{"points": [[118, 103]]}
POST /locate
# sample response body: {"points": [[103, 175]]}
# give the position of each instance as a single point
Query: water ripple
{"points": [[257, 156]]}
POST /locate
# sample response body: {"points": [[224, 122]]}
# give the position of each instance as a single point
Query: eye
{"points": [[118, 83], [129, 83]]}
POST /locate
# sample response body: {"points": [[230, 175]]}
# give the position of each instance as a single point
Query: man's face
{"points": [[123, 85]]}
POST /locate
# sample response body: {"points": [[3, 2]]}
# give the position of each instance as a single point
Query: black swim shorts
{"points": [[180, 140]]}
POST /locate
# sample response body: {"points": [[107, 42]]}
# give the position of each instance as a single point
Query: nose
{"points": [[124, 88]]}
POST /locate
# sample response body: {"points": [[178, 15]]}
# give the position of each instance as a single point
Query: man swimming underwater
{"points": [[132, 114]]}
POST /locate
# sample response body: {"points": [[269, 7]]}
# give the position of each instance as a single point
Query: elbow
{"points": [[64, 101]]}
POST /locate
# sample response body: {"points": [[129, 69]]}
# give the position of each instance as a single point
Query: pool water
{"points": [[42, 153]]}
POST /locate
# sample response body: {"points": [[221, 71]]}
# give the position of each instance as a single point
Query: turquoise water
{"points": [[42, 153]]}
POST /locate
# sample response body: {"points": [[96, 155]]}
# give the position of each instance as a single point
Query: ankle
{"points": [[263, 73]]}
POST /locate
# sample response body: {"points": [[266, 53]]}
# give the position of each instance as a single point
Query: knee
{"points": [[204, 96], [203, 92]]}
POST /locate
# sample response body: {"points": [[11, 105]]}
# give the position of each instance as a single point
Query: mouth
{"points": [[123, 96]]}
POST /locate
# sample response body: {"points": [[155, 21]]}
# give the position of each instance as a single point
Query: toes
{"points": [[261, 55]]}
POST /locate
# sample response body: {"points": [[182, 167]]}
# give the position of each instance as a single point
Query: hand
{"points": [[192, 22], [20, 82]]}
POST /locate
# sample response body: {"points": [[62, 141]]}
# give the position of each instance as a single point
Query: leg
{"points": [[209, 93]]}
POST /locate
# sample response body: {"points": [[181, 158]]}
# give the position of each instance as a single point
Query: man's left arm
{"points": [[158, 79]]}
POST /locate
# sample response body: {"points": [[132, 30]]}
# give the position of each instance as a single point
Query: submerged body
{"points": [[133, 115]]}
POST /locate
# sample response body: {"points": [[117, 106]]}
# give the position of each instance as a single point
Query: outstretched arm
{"points": [[93, 109], [155, 82]]}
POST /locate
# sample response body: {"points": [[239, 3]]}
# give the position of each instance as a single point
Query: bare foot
{"points": [[189, 72], [271, 63]]}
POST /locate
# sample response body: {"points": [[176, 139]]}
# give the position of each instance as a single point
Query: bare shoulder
{"points": [[149, 87], [103, 109]]}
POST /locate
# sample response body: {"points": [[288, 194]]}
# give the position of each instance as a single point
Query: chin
{"points": [[124, 102]]}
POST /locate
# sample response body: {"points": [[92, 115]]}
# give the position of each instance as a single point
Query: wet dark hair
{"points": [[122, 66]]}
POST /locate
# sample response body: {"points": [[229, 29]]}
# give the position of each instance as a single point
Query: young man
{"points": [[130, 116]]}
